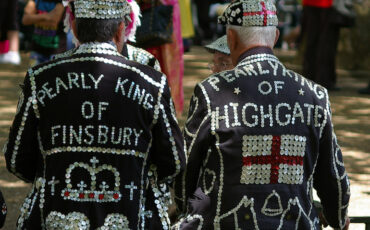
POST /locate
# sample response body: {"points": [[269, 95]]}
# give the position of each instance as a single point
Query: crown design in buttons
{"points": [[82, 192]]}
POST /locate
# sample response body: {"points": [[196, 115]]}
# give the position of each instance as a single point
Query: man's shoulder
{"points": [[122, 67], [135, 51], [66, 54], [266, 76], [142, 56], [145, 71]]}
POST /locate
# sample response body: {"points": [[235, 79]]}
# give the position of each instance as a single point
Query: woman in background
{"points": [[187, 26], [170, 56], [9, 35]]}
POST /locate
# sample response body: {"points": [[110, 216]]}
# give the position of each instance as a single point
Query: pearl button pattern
{"points": [[111, 9], [91, 190], [271, 159]]}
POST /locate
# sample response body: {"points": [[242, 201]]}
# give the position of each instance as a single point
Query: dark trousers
{"points": [[203, 18], [321, 38], [8, 17]]}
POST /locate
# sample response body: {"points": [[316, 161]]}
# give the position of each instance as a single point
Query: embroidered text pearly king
{"points": [[102, 9], [248, 13]]}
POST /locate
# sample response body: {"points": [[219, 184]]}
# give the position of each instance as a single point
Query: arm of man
{"points": [[22, 149], [197, 140], [167, 151], [330, 179]]}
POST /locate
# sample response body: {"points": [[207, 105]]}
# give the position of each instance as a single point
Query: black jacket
{"points": [[97, 136], [259, 139]]}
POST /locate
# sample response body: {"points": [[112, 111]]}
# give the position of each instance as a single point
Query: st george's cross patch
{"points": [[269, 159]]}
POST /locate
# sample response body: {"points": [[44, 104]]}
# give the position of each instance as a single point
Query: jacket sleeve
{"points": [[197, 141], [22, 149], [167, 152], [330, 179]]}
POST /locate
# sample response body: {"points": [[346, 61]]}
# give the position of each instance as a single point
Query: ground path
{"points": [[351, 113]]}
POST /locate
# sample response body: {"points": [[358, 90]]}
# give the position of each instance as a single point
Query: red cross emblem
{"points": [[287, 167], [264, 12]]}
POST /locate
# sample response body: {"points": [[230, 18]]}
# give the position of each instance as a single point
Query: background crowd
{"points": [[37, 26]]}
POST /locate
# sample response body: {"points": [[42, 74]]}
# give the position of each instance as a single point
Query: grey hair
{"points": [[256, 35], [96, 30]]}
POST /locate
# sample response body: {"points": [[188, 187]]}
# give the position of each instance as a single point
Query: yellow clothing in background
{"points": [[187, 27]]}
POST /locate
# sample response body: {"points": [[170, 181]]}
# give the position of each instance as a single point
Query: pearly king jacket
{"points": [[260, 139], [140, 55], [97, 136]]}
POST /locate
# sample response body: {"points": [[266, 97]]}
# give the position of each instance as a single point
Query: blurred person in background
{"points": [[202, 7], [321, 23], [207, 13], [221, 59], [170, 55], [9, 35], [289, 15], [187, 26], [130, 51], [48, 36]]}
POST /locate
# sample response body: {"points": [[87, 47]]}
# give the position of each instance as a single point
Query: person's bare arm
{"points": [[50, 19], [30, 16], [53, 18]]}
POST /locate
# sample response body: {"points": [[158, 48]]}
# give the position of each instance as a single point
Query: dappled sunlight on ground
{"points": [[11, 184]]}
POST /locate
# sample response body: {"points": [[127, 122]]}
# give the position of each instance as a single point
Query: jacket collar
{"points": [[254, 51]]}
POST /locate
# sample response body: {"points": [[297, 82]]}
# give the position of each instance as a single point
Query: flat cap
{"points": [[248, 13], [219, 45]]}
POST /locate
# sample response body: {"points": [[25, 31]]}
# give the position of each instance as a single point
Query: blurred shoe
{"points": [[12, 57]]}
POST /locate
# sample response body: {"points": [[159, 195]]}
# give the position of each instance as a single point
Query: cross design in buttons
{"points": [[131, 187], [52, 183], [104, 186]]}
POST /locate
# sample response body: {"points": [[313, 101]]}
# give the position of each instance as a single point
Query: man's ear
{"points": [[232, 39], [119, 36], [277, 34]]}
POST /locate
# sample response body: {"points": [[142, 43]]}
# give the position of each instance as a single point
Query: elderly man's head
{"points": [[241, 38], [221, 60], [250, 23]]}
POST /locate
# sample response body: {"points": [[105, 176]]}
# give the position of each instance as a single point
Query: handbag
{"points": [[156, 25], [343, 13]]}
